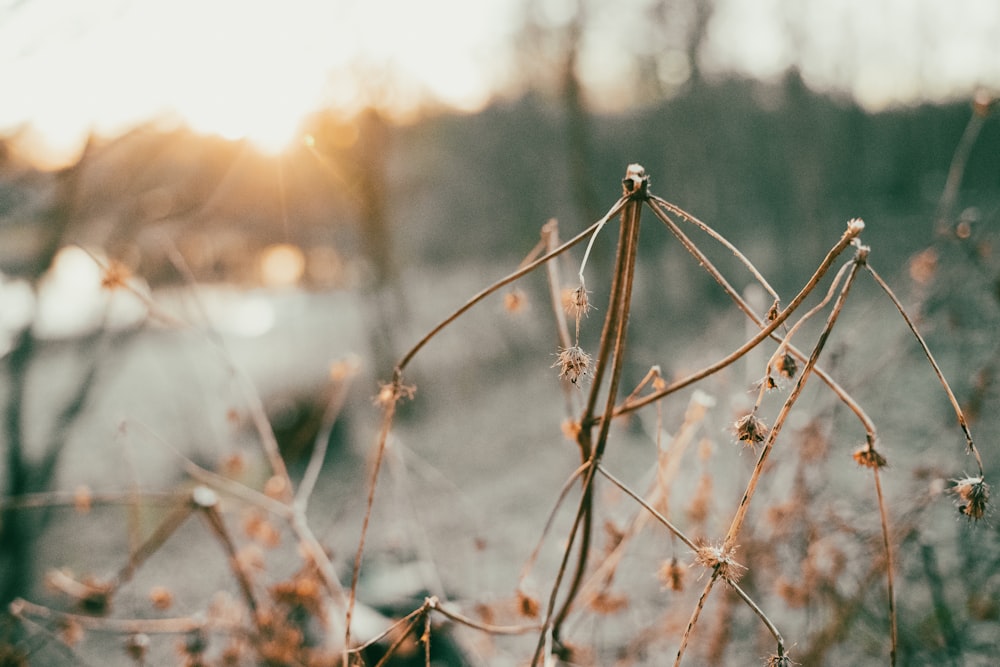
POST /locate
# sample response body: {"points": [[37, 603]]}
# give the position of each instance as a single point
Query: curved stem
{"points": [[737, 523], [838, 391], [962, 422], [657, 201], [524, 270], [854, 228]]}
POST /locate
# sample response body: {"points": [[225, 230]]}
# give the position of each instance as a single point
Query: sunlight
{"points": [[238, 70]]}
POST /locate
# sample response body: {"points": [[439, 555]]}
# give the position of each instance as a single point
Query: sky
{"points": [[253, 69]]}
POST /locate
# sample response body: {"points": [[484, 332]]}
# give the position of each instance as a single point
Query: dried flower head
{"points": [[114, 276], [573, 363], [780, 661], [786, 365], [671, 575], [750, 430], [83, 499], [527, 605], [867, 456], [608, 603], [973, 495], [391, 393], [161, 597], [515, 301], [571, 429], [576, 302], [773, 312], [723, 563], [137, 646]]}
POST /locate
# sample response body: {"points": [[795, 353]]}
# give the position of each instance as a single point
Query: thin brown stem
{"points": [[786, 408], [854, 228], [345, 371], [563, 492], [695, 614], [649, 508], [704, 262], [611, 348], [889, 567], [616, 329], [387, 417], [435, 604], [526, 269], [655, 202], [962, 422]]}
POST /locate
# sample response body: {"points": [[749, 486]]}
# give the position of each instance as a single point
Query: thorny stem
{"points": [[550, 236], [778, 639], [854, 228], [802, 320], [435, 604], [21, 608], [970, 445], [793, 396], [215, 522], [524, 270]]}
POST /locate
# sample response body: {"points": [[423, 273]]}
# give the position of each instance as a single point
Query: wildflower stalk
{"points": [[610, 353], [734, 528], [392, 394], [890, 568], [790, 401], [959, 414], [656, 202], [524, 270], [703, 261], [854, 228], [695, 614]]}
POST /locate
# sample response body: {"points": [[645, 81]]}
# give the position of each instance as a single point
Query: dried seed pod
{"points": [[973, 495]]}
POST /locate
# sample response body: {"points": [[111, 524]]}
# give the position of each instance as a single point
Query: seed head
{"points": [[527, 605], [515, 301], [671, 575], [973, 495], [722, 562], [114, 276], [573, 363], [867, 456], [390, 393], [786, 365], [750, 430], [576, 302], [780, 661]]}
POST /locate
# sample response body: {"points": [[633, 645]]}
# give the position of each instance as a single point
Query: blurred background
{"points": [[312, 181]]}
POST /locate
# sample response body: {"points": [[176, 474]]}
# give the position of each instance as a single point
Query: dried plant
{"points": [[308, 617]]}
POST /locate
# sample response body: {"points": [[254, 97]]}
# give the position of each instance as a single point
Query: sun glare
{"points": [[239, 70]]}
